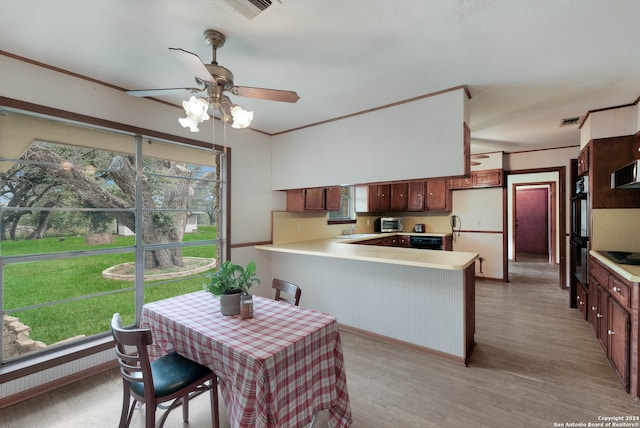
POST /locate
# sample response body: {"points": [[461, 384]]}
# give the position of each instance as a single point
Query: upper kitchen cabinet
{"points": [[373, 198], [332, 198], [606, 156], [314, 199], [438, 195], [399, 196], [415, 199], [487, 178], [478, 179], [583, 161]]}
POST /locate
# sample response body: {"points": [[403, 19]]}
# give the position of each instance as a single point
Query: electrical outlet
{"points": [[368, 222], [299, 227]]}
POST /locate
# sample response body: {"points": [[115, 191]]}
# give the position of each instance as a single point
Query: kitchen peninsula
{"points": [[423, 299]]}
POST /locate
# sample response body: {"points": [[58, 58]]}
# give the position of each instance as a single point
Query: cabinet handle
{"points": [[618, 289], [610, 332], [599, 315], [593, 308], [581, 302]]}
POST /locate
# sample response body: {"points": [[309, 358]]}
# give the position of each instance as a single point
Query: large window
{"points": [[95, 221]]}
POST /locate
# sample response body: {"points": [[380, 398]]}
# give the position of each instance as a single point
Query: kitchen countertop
{"points": [[629, 272], [341, 247]]}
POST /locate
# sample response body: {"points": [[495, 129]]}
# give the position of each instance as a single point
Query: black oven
{"points": [[580, 259], [579, 252], [580, 209]]}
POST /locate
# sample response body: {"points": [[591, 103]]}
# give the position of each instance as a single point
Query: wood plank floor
{"points": [[536, 363]]}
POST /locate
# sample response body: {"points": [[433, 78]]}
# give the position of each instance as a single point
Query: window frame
{"points": [[350, 198], [39, 361]]}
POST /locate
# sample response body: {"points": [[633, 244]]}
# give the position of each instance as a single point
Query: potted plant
{"points": [[229, 283]]}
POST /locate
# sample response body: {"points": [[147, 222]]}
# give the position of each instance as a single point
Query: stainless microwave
{"points": [[627, 177], [389, 224]]}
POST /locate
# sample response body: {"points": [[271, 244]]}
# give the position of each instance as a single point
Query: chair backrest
{"points": [[287, 288], [134, 366]]}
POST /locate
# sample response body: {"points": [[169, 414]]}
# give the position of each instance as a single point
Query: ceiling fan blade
{"points": [[266, 94], [160, 92], [193, 63]]}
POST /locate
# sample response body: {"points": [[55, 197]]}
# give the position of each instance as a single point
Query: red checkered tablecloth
{"points": [[276, 369]]}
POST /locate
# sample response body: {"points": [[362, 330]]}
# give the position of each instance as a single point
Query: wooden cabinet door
{"points": [[601, 317], [618, 333], [488, 178], [415, 200], [399, 196], [581, 301], [314, 199], [295, 200], [438, 195], [636, 147], [379, 197], [583, 161], [461, 183], [374, 198], [385, 197], [332, 198], [592, 303]]}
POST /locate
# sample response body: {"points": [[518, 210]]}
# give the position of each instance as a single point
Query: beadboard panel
{"points": [[421, 306], [37, 380]]}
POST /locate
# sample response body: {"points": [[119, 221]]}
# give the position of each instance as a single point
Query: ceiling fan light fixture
{"points": [[196, 109], [241, 117]]}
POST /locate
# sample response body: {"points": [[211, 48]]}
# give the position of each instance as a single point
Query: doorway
{"points": [[552, 181], [532, 226]]}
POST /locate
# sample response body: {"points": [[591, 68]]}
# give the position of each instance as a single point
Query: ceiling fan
{"points": [[216, 80]]}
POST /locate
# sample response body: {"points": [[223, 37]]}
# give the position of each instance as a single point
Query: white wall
{"points": [[419, 139], [615, 122], [480, 212]]}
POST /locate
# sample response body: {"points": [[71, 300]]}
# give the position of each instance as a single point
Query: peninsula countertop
{"points": [[346, 247]]}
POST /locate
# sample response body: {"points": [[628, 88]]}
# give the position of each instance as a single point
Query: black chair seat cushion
{"points": [[172, 372]]}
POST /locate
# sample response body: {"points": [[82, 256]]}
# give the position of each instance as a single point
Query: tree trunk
{"points": [[158, 227], [43, 223]]}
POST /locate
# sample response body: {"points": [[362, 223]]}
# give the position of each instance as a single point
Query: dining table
{"points": [[277, 369]]}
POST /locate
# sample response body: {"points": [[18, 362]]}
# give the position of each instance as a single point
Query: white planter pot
{"points": [[230, 303]]}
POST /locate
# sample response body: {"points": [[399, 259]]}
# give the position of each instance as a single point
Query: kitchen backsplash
{"points": [[615, 229], [291, 227]]}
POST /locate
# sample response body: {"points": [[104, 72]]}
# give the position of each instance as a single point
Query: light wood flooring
{"points": [[535, 363]]}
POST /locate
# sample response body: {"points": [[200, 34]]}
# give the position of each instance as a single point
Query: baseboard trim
{"points": [[402, 343]]}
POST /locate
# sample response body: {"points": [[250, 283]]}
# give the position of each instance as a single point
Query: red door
{"points": [[532, 220]]}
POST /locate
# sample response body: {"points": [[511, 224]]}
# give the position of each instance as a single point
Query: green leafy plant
{"points": [[231, 278]]}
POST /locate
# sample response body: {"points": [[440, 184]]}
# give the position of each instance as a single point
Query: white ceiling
{"points": [[527, 63]]}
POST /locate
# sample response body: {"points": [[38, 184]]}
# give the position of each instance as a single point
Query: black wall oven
{"points": [[580, 231]]}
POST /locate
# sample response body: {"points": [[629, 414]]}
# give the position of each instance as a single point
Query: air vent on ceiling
{"points": [[249, 8], [570, 121]]}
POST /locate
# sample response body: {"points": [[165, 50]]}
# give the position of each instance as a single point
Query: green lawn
{"points": [[33, 283]]}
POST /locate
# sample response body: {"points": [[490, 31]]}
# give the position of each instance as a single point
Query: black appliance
{"points": [[579, 241], [623, 257], [426, 242]]}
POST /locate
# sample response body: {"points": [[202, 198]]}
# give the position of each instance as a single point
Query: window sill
{"points": [[341, 221], [28, 366]]}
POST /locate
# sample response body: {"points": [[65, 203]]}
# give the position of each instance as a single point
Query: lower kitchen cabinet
{"points": [[612, 310], [618, 340], [581, 300]]}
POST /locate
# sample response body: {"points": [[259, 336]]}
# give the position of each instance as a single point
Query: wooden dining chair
{"points": [[172, 377], [284, 288]]}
